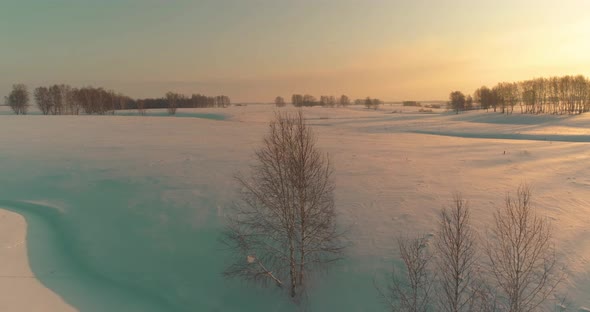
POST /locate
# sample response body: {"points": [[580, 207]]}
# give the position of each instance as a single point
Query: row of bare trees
{"points": [[280, 101], [62, 99], [299, 100], [369, 103], [172, 101], [514, 269], [554, 95], [65, 100], [175, 100]]}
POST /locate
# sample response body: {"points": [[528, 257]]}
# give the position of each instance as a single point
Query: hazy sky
{"points": [[254, 50]]}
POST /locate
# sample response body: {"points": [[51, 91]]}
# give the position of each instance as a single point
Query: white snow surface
{"points": [[393, 171]]}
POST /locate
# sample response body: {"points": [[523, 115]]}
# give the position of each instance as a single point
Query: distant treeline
{"points": [[554, 95], [299, 100], [183, 101], [61, 99]]}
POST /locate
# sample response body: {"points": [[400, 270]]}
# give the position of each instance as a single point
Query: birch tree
{"points": [[283, 228], [280, 101], [410, 291], [18, 99], [456, 258], [521, 254]]}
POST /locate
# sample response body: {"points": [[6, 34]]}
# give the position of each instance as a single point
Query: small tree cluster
{"points": [[280, 101], [457, 101], [518, 272], [486, 97], [18, 99], [202, 101], [172, 101], [368, 102], [328, 100], [175, 100], [299, 100], [371, 103], [344, 101]]}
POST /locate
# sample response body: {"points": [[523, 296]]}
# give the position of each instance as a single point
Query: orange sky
{"points": [[257, 49]]}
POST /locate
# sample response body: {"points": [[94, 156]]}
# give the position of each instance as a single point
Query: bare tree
{"points": [[222, 100], [297, 100], [309, 100], [376, 103], [327, 100], [141, 107], [368, 102], [456, 258], [280, 101], [72, 101], [18, 99], [521, 255], [413, 292], [172, 99], [43, 99], [56, 96], [284, 226], [484, 97], [331, 101], [344, 101], [457, 101], [69, 101]]}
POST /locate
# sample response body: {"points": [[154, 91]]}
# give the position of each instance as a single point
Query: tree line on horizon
{"points": [[63, 99], [299, 100], [553, 95]]}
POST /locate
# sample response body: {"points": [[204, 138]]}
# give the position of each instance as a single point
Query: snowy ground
{"points": [[134, 205], [18, 284]]}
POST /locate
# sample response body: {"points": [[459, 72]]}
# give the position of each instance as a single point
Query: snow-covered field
{"points": [[124, 212]]}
